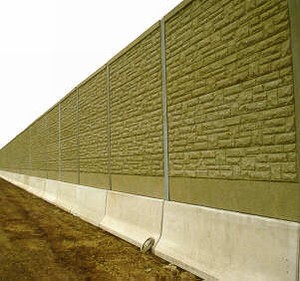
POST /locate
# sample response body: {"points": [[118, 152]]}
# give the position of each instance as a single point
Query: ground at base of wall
{"points": [[41, 242]]}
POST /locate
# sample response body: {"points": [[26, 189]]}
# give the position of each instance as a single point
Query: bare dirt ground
{"points": [[39, 241]]}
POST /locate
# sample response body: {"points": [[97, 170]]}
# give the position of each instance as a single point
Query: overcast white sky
{"points": [[48, 46]]}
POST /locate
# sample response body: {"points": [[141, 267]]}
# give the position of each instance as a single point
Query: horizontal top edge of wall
{"points": [[103, 67], [169, 15], [177, 9], [57, 103], [27, 128], [134, 42], [67, 95]]}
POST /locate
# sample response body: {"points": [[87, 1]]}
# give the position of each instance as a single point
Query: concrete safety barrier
{"points": [[132, 217], [51, 191], [66, 196], [22, 181], [36, 186], [229, 246], [6, 176], [214, 244], [17, 179], [90, 204]]}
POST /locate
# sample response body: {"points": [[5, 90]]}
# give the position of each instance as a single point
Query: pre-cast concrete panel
{"points": [[229, 246], [20, 181], [90, 204], [38, 141], [69, 138], [66, 196], [133, 218], [83, 201], [231, 111], [5, 175], [136, 115], [51, 191], [53, 142], [92, 131], [17, 179], [37, 186]]}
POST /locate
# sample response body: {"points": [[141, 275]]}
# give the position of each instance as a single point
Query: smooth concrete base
{"points": [[17, 179], [51, 191], [66, 197], [37, 186], [133, 218], [90, 204], [214, 244], [229, 246], [85, 202]]}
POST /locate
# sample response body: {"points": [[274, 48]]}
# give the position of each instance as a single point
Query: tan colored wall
{"points": [[231, 86], [136, 116], [230, 91], [231, 106], [22, 152], [53, 143], [93, 135], [68, 141], [38, 141]]}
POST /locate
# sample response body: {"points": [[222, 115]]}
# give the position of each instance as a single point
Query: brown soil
{"points": [[39, 241]]}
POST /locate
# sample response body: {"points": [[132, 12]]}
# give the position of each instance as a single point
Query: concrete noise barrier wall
{"points": [[228, 245], [203, 108]]}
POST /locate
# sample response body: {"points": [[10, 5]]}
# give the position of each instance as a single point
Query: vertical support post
{"points": [[77, 136], [108, 126], [165, 109], [59, 141], [294, 8]]}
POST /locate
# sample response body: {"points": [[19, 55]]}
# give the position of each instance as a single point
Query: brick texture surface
{"points": [[136, 109], [231, 107], [230, 91], [8, 155], [52, 140], [22, 151], [38, 141], [69, 133], [93, 141]]}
